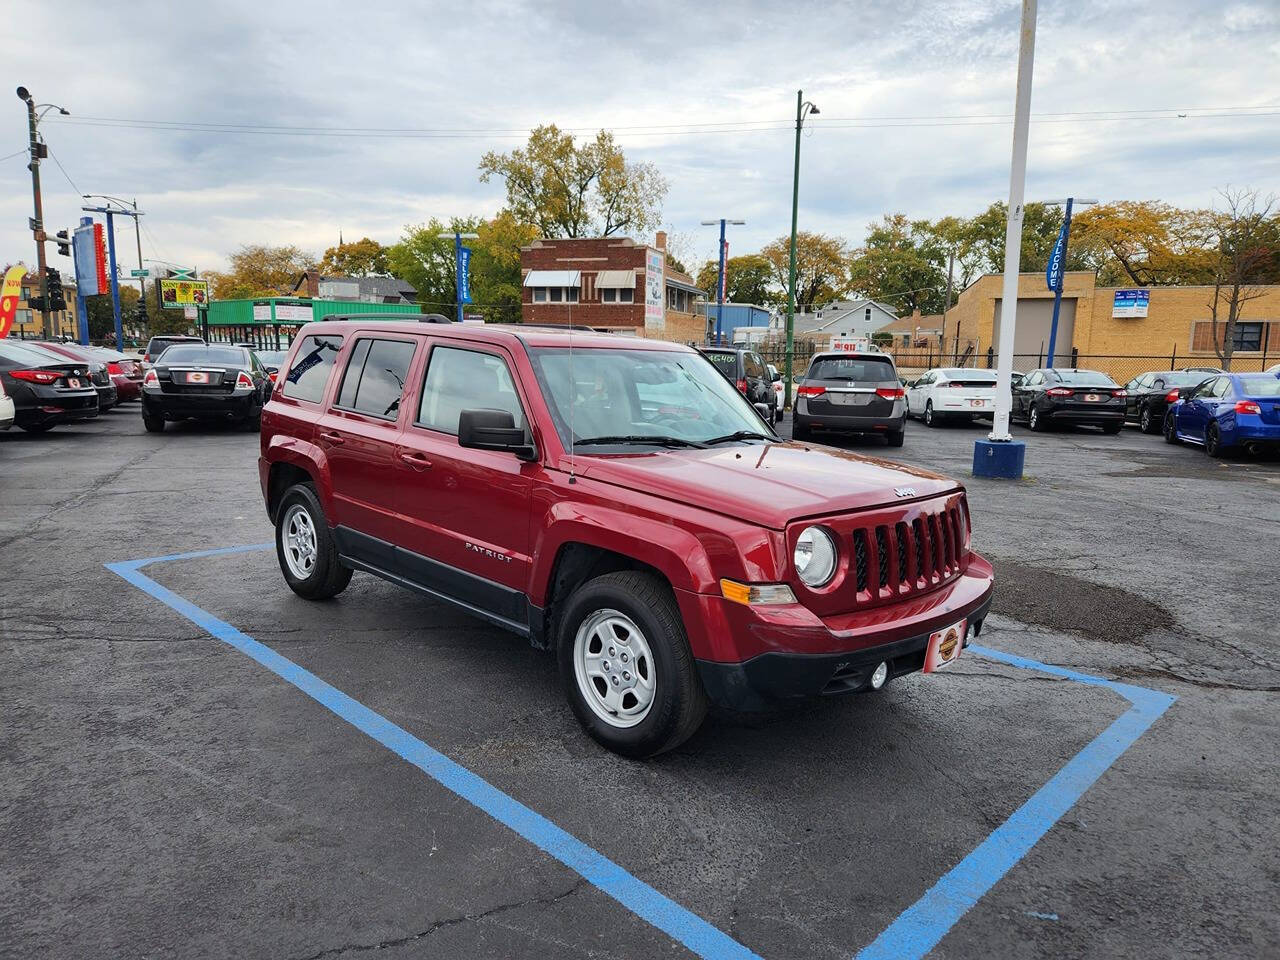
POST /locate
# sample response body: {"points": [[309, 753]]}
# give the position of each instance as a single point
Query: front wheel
{"points": [[626, 666], [305, 546]]}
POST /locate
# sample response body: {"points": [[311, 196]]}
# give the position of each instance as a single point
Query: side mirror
{"points": [[273, 370], [797, 378], [763, 410], [493, 430], [1184, 392]]}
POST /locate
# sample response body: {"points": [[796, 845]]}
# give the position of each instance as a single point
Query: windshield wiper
{"points": [[740, 435], [658, 440]]}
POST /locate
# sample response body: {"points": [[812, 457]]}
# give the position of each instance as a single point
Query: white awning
{"points": [[615, 279], [553, 278]]}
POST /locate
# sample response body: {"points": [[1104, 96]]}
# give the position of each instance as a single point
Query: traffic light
{"points": [[53, 284], [63, 240], [139, 313], [35, 304]]}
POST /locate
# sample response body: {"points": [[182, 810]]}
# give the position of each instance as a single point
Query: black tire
{"points": [[799, 432], [1213, 441], [254, 423], [1112, 428], [929, 419], [679, 702], [153, 424], [1034, 420], [327, 576], [895, 437], [782, 415], [1147, 422], [1170, 429], [36, 427]]}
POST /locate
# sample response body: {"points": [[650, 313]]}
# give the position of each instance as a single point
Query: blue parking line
{"points": [[680, 924], [912, 935], [918, 929]]}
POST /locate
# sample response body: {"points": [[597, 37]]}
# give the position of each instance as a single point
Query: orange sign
{"points": [[10, 294]]}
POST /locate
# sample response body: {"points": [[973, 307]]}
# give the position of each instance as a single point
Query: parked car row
{"points": [[49, 383], [1228, 412]]}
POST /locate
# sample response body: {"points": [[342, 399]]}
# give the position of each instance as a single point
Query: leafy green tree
{"points": [[426, 260], [570, 190], [258, 270], [360, 258], [820, 267], [748, 279], [903, 263]]}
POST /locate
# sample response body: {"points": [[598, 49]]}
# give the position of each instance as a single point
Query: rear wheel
{"points": [[153, 424], [626, 665], [1033, 419], [1170, 428], [1147, 421], [305, 546], [800, 432], [895, 437], [929, 419], [1112, 428], [253, 423], [36, 427]]}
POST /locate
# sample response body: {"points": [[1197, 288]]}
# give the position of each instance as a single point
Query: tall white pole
{"points": [[1013, 232]]}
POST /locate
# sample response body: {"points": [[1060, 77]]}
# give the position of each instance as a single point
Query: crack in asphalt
{"points": [[447, 922]]}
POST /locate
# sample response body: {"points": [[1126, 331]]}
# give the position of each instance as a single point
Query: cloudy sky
{"points": [[399, 102]]}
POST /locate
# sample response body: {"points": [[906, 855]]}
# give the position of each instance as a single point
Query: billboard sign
{"points": [[179, 293], [90, 257], [655, 308], [1130, 303]]}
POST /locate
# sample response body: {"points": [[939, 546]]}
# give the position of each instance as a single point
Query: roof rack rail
{"points": [[581, 327], [390, 315]]}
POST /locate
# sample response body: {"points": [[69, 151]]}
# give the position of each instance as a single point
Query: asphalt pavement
{"points": [[166, 795]]}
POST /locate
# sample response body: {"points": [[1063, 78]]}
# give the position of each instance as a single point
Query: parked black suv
{"points": [[748, 372], [850, 393]]}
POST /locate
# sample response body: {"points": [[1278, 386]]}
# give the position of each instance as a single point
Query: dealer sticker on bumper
{"points": [[944, 646]]}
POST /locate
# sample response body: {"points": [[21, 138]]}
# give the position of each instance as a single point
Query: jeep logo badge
{"points": [[904, 491]]}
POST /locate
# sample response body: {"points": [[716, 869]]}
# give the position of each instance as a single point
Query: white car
{"points": [[946, 393], [6, 409], [777, 390]]}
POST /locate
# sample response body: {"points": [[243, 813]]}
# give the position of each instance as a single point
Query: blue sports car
{"points": [[1227, 412]]}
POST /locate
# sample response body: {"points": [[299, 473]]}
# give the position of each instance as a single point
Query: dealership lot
{"points": [[165, 794]]}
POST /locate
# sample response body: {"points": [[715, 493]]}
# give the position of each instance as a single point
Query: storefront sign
{"points": [[179, 293], [294, 313], [1130, 303]]}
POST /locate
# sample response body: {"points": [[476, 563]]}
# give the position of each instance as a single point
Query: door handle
{"points": [[335, 438], [416, 460]]}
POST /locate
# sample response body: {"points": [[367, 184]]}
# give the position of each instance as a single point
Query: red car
{"points": [[125, 371], [617, 501]]}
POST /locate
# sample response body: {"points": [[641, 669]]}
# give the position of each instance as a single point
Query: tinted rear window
{"points": [[159, 344], [866, 369], [309, 373], [199, 353], [726, 362], [1084, 378], [1261, 386]]}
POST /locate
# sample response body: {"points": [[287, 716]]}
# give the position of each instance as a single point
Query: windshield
{"points": [[865, 369], [1260, 386], [199, 353], [1183, 379], [639, 393]]}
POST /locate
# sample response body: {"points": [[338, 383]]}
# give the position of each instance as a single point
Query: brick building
{"points": [[610, 283]]}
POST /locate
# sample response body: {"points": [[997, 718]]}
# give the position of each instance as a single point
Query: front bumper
{"points": [[750, 656], [182, 406]]}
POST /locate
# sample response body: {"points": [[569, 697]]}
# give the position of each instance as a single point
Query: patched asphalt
{"points": [[164, 795]]}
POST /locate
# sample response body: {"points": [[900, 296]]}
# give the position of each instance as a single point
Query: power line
{"points": [[18, 154], [53, 157]]}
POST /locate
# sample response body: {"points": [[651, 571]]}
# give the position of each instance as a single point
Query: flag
{"points": [[464, 277], [10, 294]]}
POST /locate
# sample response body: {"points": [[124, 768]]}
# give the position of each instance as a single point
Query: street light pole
{"points": [[37, 222], [458, 274], [137, 235], [802, 108], [720, 275]]}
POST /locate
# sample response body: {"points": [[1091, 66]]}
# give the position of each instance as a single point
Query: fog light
{"points": [[879, 675]]}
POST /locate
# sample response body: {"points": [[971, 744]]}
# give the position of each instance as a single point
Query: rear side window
{"points": [[754, 367], [460, 380], [374, 381], [307, 377], [864, 369]]}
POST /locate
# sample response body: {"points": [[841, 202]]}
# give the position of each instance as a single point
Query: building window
{"points": [[23, 317], [1248, 336], [539, 294], [868, 314]]}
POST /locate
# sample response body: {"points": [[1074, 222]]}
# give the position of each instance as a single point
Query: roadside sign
{"points": [[176, 293], [1130, 303], [140, 273], [90, 258], [190, 312]]}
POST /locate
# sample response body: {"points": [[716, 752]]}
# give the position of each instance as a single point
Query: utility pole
{"points": [[137, 237], [946, 306], [802, 108], [720, 276], [37, 222], [460, 268], [1000, 455]]}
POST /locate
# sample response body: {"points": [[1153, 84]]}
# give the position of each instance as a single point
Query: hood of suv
{"points": [[771, 484]]}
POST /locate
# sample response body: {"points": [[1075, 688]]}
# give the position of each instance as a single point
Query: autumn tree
{"points": [[360, 258], [570, 190], [1144, 243], [1246, 255], [820, 267], [258, 270], [748, 279]]}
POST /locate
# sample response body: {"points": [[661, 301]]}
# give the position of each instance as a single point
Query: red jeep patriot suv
{"points": [[618, 501]]}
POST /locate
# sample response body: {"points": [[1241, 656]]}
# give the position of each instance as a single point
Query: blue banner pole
{"points": [[720, 289], [1057, 290], [457, 263], [115, 285]]}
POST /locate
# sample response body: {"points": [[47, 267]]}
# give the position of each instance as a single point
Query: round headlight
{"points": [[815, 556]]}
